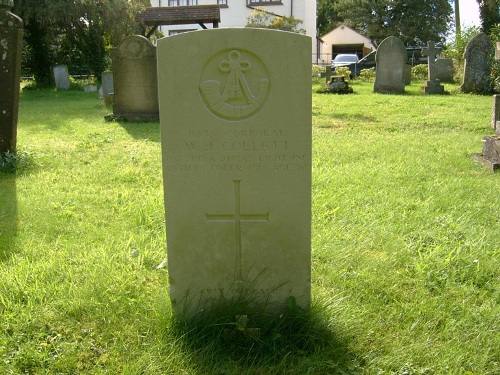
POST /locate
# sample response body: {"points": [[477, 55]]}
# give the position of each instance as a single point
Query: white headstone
{"points": [[236, 146]]}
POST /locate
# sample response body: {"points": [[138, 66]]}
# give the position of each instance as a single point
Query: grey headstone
{"points": [[134, 78], [61, 77], [444, 70], [107, 83], [477, 67], [497, 51], [390, 72], [11, 41]]}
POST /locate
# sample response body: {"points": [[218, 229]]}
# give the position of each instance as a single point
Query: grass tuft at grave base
{"points": [[405, 247]]}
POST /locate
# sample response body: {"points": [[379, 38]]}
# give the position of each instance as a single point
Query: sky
{"points": [[469, 13]]}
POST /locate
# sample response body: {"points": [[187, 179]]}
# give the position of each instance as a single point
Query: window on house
{"points": [[176, 3], [222, 2]]}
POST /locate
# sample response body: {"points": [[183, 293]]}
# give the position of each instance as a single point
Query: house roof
{"points": [[153, 16]]}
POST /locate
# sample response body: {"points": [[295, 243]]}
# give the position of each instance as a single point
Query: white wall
{"points": [[236, 14]]}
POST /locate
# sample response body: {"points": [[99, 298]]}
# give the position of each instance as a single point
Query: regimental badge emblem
{"points": [[234, 84]]}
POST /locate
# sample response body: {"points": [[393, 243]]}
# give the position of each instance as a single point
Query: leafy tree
{"points": [[415, 22], [261, 18], [78, 33], [489, 12]]}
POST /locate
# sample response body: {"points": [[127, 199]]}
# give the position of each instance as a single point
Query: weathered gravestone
{"points": [[432, 85], [135, 83], [11, 39], [390, 70], [491, 145], [236, 149], [107, 87], [61, 77], [497, 51], [444, 69], [477, 67]]}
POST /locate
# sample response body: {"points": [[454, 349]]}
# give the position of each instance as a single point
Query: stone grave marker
{"points": [[491, 144], [444, 69], [390, 70], [135, 83], [495, 113], [432, 85], [61, 77], [477, 67], [236, 150], [497, 51], [107, 87], [11, 43]]}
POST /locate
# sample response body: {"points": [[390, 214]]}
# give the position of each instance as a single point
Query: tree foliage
{"points": [[260, 18], [414, 22], [77, 33], [489, 12]]}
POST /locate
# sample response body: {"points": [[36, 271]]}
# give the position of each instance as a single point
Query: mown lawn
{"points": [[405, 248]]}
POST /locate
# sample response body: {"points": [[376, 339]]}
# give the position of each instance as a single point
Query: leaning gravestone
{"points": [[432, 85], [477, 68], [134, 78], [61, 77], [236, 149], [491, 145], [11, 42], [390, 70]]}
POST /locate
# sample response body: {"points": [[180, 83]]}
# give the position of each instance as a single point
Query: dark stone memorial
{"points": [[135, 83], [477, 67], [11, 39]]}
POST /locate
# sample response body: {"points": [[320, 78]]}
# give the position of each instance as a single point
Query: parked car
{"points": [[343, 59], [414, 58], [355, 67]]}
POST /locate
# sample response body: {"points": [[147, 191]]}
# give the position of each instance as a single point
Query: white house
{"points": [[344, 39], [234, 13]]}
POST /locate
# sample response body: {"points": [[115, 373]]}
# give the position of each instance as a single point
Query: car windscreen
{"points": [[346, 59]]}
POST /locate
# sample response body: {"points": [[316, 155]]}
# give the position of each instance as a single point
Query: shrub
{"points": [[367, 74], [343, 71], [420, 71], [317, 72]]}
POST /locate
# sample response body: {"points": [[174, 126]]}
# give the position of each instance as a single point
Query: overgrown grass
{"points": [[406, 273]]}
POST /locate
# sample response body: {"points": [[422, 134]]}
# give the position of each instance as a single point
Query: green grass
{"points": [[406, 254]]}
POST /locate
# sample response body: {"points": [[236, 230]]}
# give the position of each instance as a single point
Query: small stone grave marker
{"points": [[444, 69], [236, 149], [135, 83], [477, 67], [432, 85], [11, 41], [61, 77], [390, 70]]}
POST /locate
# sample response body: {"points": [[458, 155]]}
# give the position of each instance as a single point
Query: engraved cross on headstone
{"points": [[237, 218], [431, 52]]}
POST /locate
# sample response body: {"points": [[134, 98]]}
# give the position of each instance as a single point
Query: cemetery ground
{"points": [[405, 247]]}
